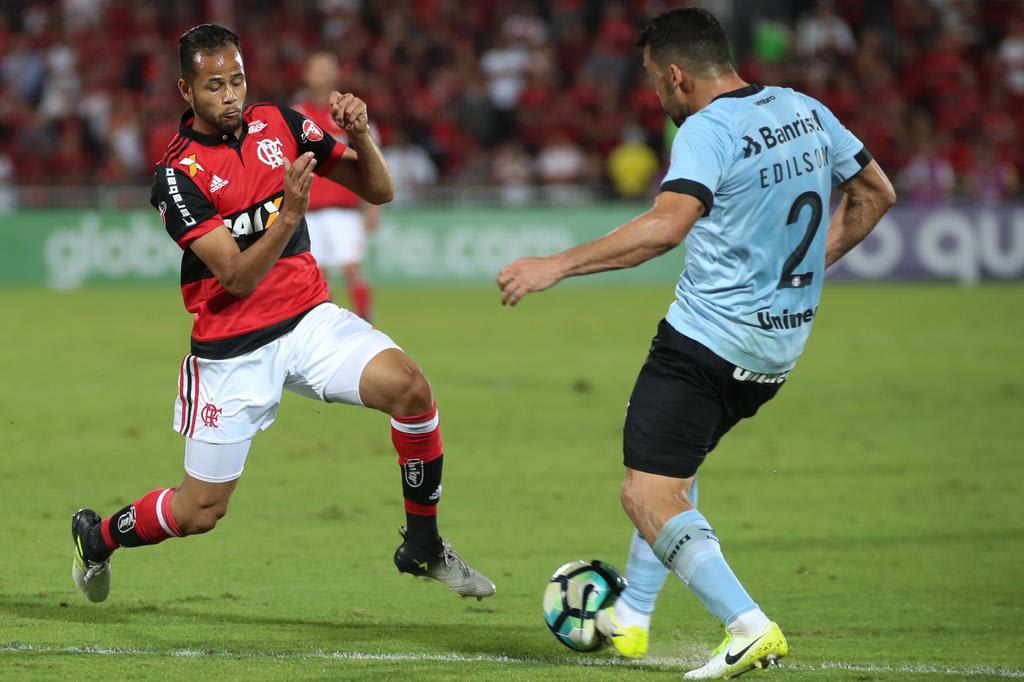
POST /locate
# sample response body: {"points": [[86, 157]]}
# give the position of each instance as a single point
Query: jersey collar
{"points": [[746, 91], [185, 129]]}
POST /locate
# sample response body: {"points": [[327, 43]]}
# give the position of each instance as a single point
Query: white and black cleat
{"points": [[91, 576]]}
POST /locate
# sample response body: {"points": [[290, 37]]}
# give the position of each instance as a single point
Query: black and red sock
{"points": [[417, 439], [146, 521]]}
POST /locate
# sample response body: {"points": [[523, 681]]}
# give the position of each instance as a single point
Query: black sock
{"points": [[422, 532], [421, 487], [94, 545]]}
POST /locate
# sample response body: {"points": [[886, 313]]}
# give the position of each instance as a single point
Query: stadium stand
{"points": [[511, 93]]}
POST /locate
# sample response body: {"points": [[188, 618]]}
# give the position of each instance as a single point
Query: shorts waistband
{"points": [[740, 374]]}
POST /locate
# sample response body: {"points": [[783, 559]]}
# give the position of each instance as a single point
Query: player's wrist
{"points": [[290, 219], [561, 265], [359, 138]]}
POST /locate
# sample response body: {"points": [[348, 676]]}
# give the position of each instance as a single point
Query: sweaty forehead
{"points": [[222, 62]]}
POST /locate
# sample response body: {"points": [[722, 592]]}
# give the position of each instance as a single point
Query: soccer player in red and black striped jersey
{"points": [[232, 190]]}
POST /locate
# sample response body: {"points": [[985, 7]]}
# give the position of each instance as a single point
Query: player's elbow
{"points": [[888, 196], [667, 236], [880, 199], [236, 286], [668, 241], [380, 195]]}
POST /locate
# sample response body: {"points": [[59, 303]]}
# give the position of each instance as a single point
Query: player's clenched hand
{"points": [[349, 112], [298, 178], [527, 275]]}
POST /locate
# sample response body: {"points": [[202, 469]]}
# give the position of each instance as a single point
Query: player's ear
{"points": [[185, 90], [677, 77]]}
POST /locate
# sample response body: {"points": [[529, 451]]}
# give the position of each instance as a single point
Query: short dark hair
{"points": [[690, 35], [203, 38]]}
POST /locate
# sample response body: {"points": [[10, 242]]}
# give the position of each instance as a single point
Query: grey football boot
{"points": [[446, 567]]}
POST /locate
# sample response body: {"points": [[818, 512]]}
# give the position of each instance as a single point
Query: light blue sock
{"points": [[645, 574], [688, 545]]}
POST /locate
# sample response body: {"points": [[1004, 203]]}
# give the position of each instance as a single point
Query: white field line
{"points": [[671, 663]]}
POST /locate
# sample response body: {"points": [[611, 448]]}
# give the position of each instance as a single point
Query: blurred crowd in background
{"points": [[518, 93]]}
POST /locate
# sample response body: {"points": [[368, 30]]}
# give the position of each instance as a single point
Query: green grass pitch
{"points": [[874, 508]]}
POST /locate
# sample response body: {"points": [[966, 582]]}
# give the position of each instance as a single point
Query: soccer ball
{"points": [[574, 595]]}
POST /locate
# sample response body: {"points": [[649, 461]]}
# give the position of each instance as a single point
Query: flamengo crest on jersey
{"points": [[763, 161], [269, 152]]}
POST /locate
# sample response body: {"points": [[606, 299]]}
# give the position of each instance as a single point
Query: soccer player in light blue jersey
{"points": [[748, 187]]}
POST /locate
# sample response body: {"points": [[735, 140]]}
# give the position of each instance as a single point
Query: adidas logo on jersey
{"points": [[217, 183]]}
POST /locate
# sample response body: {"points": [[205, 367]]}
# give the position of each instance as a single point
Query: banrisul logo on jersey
{"points": [[803, 125], [256, 218]]}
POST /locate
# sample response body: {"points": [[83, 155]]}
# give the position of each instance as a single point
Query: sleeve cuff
{"points": [[199, 230], [337, 151], [694, 189], [862, 158]]}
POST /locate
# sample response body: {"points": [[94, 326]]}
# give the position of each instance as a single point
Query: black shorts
{"points": [[685, 399]]}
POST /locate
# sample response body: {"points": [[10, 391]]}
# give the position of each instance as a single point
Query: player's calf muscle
{"points": [[198, 506], [198, 521]]}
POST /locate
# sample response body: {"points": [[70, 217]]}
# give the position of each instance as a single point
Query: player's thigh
{"points": [[215, 464], [329, 351], [674, 411], [745, 393], [229, 400]]}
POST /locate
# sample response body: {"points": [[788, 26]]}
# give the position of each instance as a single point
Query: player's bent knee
{"points": [[394, 384], [412, 393], [419, 397], [632, 500]]}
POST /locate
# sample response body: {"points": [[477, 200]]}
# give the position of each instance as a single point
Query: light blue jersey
{"points": [[763, 160]]}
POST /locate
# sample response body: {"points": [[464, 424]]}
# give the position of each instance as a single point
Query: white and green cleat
{"points": [[738, 655], [629, 641]]}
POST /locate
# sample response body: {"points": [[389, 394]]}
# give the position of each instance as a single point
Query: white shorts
{"points": [[336, 236], [230, 401]]}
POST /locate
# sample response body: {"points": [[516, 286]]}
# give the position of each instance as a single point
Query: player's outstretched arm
{"points": [[362, 168], [240, 272], [648, 235], [866, 198]]}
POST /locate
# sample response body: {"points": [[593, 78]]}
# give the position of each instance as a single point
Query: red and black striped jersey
{"points": [[208, 180]]}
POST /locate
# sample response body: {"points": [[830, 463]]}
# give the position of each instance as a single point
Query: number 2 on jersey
{"points": [[791, 280]]}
